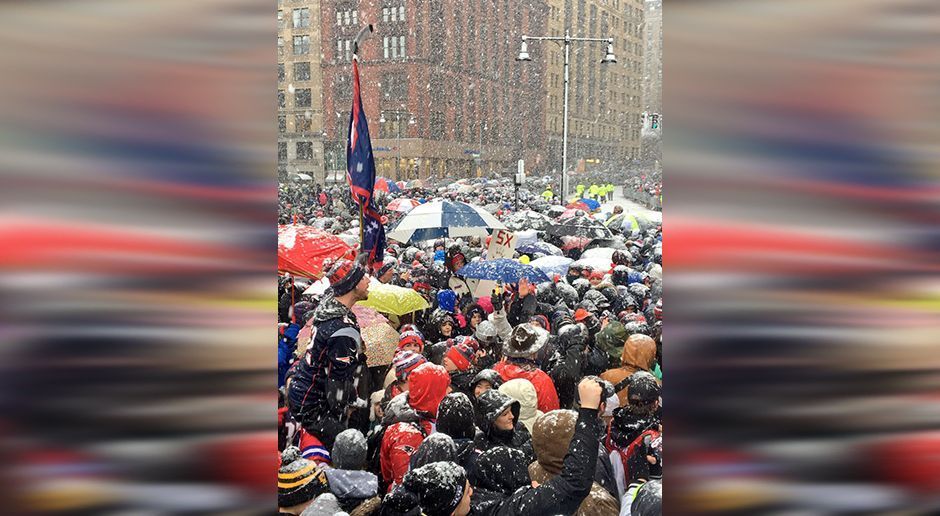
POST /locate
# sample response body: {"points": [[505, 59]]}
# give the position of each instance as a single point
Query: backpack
{"points": [[641, 441]]}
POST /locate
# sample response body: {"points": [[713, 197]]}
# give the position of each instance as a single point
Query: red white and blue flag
{"points": [[360, 172]]}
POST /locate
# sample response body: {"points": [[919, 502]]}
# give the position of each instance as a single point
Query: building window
{"points": [[301, 45], [385, 14], [348, 50], [401, 46], [355, 16], [301, 18], [305, 150], [280, 19], [281, 99], [281, 123], [385, 47], [280, 72], [280, 46], [282, 151], [339, 18], [302, 124], [302, 97], [301, 71], [401, 13]]}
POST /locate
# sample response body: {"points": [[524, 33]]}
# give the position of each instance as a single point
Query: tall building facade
{"points": [[299, 87], [653, 61], [604, 103], [441, 89]]}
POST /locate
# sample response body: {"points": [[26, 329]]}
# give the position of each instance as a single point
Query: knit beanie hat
{"points": [[349, 450], [405, 362], [299, 480], [439, 487], [387, 265], [411, 328], [455, 416], [461, 355], [344, 275], [411, 337]]}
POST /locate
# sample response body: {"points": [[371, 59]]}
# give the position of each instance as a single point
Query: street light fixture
{"points": [[567, 39]]}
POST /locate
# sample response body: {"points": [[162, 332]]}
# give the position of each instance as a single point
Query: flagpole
{"points": [[364, 32]]}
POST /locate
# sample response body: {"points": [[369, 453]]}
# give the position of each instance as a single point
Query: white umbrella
{"points": [[602, 253], [552, 264], [442, 219], [303, 177]]}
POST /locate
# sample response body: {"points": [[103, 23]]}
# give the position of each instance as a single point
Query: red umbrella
{"points": [[301, 250], [403, 205], [579, 205], [573, 242]]}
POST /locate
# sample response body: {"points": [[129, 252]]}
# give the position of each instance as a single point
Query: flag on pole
{"points": [[360, 172]]}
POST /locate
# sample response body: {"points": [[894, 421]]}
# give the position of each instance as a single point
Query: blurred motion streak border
{"points": [[137, 143], [803, 337]]}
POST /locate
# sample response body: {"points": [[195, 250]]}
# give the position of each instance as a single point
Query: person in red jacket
{"points": [[520, 351], [427, 386]]}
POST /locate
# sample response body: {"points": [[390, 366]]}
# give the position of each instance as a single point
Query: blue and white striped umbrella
{"points": [[441, 219]]}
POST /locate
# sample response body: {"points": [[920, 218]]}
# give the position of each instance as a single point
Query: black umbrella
{"points": [[580, 227]]}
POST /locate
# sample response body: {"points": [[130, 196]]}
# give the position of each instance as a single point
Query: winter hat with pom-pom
{"points": [[405, 362], [349, 450], [298, 480]]}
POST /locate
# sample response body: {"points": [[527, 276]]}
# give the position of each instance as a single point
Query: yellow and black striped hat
{"points": [[299, 480]]}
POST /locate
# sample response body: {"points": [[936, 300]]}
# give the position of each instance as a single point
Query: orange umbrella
{"points": [[301, 250]]}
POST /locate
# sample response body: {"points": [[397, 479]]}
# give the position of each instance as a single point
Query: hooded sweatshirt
{"points": [[551, 435], [638, 353], [490, 405], [428, 386], [523, 391]]}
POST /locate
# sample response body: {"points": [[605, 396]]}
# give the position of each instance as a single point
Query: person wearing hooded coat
{"points": [[405, 429], [523, 391], [519, 352], [491, 405], [551, 435], [639, 354], [456, 418], [563, 493], [497, 474]]}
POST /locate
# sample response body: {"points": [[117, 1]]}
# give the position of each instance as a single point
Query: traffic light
{"points": [[655, 120]]}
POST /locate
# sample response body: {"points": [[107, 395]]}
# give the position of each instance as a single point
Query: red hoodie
{"points": [[428, 386], [544, 386]]}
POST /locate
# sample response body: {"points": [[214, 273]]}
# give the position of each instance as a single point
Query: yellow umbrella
{"points": [[392, 299]]}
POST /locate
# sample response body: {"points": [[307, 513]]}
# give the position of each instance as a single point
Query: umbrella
{"points": [[401, 184], [415, 183], [573, 242], [540, 247], [392, 299], [378, 336], [552, 264], [554, 210], [590, 203], [597, 263], [528, 219], [572, 213], [303, 177], [402, 204], [440, 219], [502, 269], [579, 227], [606, 253], [301, 250], [383, 184]]}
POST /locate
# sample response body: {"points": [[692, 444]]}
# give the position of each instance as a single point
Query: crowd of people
{"points": [[529, 399]]}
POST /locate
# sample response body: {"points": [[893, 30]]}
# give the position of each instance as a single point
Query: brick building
{"points": [[441, 74], [300, 108], [604, 100]]}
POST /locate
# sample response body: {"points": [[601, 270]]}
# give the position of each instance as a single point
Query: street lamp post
{"points": [[567, 39], [411, 121]]}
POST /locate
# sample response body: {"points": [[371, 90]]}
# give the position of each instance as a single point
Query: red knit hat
{"points": [[411, 337], [460, 355]]}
